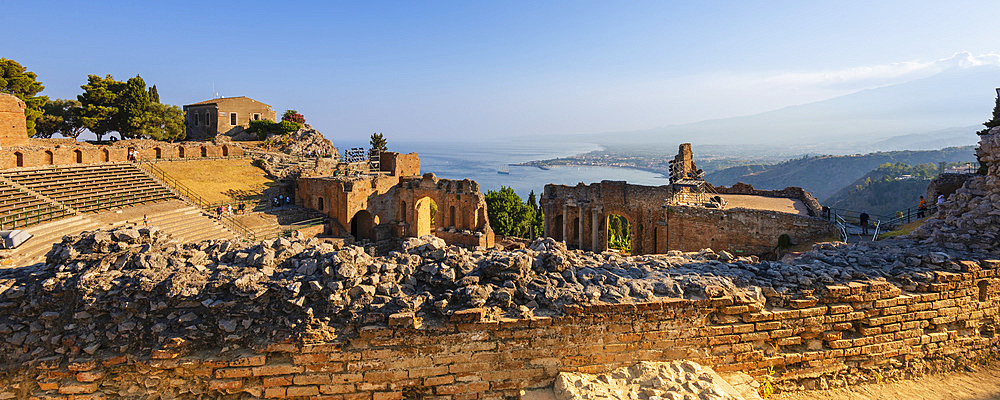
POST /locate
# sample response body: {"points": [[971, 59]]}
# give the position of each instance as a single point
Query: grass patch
{"points": [[903, 230], [219, 181]]}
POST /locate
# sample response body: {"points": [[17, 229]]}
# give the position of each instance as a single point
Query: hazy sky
{"points": [[502, 68]]}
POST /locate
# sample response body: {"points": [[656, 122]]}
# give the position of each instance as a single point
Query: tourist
{"points": [[145, 220], [940, 199], [922, 207], [864, 222], [229, 209]]}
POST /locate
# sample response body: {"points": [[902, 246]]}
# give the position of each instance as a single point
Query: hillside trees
{"points": [[129, 108], [378, 145], [162, 122], [18, 81]]}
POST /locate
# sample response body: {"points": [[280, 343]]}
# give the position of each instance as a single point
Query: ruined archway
{"points": [[49, 157], [361, 225], [451, 217], [574, 233], [157, 153], [78, 156], [225, 151], [180, 151], [557, 228], [106, 154], [319, 203], [204, 151], [619, 233], [426, 216], [19, 158]]}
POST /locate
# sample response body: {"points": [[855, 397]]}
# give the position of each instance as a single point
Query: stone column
{"points": [[595, 228], [579, 243], [565, 227]]}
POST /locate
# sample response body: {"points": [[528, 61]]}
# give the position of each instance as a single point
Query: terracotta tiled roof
{"points": [[223, 100]]}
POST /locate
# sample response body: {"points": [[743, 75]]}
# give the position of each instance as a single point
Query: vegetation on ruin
{"points": [[293, 116], [511, 216], [229, 180], [267, 129], [18, 81], [619, 233]]}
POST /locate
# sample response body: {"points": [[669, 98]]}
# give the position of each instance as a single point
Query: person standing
{"points": [[922, 207], [940, 199], [864, 222], [145, 220]]}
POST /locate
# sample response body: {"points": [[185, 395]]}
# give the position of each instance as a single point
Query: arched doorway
{"points": [[451, 217], [180, 151], [619, 233], [157, 153], [319, 203], [204, 151], [361, 225], [556, 230], [49, 159], [19, 158], [574, 233], [79, 156], [225, 151], [426, 215], [107, 155], [402, 211]]}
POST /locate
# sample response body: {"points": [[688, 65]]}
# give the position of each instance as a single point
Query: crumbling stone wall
{"points": [[45, 152], [791, 192], [396, 203], [740, 231], [13, 127], [945, 184], [578, 215]]}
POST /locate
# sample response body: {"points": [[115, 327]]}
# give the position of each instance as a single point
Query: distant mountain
{"points": [[933, 112], [886, 189], [824, 175]]}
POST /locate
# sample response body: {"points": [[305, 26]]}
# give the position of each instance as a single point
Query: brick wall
{"points": [[67, 153], [740, 230], [13, 128], [856, 327]]}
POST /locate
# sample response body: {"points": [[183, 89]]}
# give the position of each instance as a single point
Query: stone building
{"points": [[739, 219], [224, 116], [397, 201], [13, 128]]}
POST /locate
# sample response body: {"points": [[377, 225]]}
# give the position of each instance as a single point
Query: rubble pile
{"points": [[970, 218], [129, 290], [307, 142], [678, 380]]}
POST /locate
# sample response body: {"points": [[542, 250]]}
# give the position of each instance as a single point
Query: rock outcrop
{"points": [[678, 380]]}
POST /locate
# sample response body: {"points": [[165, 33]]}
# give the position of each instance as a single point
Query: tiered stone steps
{"points": [[185, 224], [91, 187], [19, 207]]}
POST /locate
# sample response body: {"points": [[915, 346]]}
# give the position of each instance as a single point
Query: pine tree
{"points": [[18, 81], [154, 96]]}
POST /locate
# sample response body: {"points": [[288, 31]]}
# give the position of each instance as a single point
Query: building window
{"points": [[232, 118], [196, 118], [256, 116]]}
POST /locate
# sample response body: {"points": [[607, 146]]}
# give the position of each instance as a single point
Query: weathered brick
{"points": [[274, 392], [77, 388], [387, 396], [298, 391], [248, 361], [273, 381], [225, 384], [439, 380], [226, 373], [336, 389], [276, 369], [312, 379]]}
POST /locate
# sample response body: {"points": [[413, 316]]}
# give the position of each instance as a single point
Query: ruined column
{"points": [[579, 243], [565, 227], [595, 228]]}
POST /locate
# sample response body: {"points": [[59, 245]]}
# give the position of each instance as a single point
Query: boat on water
{"points": [[543, 168], [503, 170]]}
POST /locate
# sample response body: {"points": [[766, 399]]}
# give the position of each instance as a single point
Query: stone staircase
{"points": [[184, 223]]}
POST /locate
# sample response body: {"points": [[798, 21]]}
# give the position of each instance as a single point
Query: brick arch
{"points": [[78, 156], [49, 157], [106, 155], [18, 159]]}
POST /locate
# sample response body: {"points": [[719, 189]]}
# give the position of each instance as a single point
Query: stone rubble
{"points": [[677, 380], [308, 142]]}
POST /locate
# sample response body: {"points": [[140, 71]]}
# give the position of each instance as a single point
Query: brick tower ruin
{"points": [[13, 128]]}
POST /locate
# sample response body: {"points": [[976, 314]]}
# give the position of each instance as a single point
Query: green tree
{"points": [[378, 145], [538, 222], [162, 122], [61, 116], [619, 233], [18, 81], [100, 104], [133, 103], [154, 96], [293, 116], [509, 215]]}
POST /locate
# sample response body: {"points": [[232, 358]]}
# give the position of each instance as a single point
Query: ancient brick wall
{"points": [[856, 328], [40, 153], [740, 231], [791, 192], [13, 128]]}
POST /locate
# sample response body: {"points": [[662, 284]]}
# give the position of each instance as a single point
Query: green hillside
{"points": [[825, 175], [885, 190]]}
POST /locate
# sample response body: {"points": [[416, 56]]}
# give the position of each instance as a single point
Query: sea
{"points": [[482, 159]]}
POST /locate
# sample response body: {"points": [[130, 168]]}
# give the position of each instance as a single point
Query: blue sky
{"points": [[415, 70]]}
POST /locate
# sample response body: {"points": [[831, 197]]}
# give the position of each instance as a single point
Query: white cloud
{"points": [[880, 75]]}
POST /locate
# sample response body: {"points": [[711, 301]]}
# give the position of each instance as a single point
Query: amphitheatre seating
{"points": [[92, 187], [19, 208]]}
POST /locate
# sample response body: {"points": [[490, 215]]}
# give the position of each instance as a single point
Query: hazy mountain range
{"points": [[930, 113]]}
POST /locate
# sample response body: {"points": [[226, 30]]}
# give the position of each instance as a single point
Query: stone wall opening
{"points": [[19, 158], [106, 154], [426, 210], [619, 233], [557, 228], [204, 151], [361, 225], [49, 158], [574, 234], [180, 152], [319, 203], [78, 156], [451, 217], [225, 150], [157, 153]]}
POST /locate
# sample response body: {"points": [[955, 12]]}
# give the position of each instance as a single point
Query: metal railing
{"points": [[33, 217], [189, 194], [294, 227]]}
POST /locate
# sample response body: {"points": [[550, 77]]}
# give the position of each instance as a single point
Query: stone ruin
{"points": [[130, 313]]}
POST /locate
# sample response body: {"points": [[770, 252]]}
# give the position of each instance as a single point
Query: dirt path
{"points": [[983, 384], [779, 204]]}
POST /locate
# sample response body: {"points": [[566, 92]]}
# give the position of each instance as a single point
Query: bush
{"points": [[264, 128], [293, 116]]}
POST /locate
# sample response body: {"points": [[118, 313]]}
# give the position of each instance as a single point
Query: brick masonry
{"points": [[849, 328], [13, 128], [45, 152]]}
